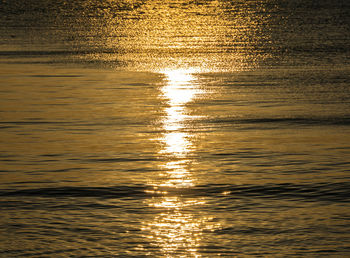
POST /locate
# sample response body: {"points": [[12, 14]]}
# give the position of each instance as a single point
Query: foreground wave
{"points": [[335, 192]]}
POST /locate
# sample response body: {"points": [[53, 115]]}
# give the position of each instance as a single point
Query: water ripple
{"points": [[333, 192]]}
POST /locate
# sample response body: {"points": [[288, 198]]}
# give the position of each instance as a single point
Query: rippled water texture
{"points": [[174, 128]]}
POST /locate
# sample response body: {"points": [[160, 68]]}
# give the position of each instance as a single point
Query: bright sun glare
{"points": [[179, 90], [179, 75], [174, 228]]}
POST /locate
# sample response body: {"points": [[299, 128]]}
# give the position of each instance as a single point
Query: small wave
{"points": [[287, 121], [338, 192], [113, 160], [103, 192], [333, 192]]}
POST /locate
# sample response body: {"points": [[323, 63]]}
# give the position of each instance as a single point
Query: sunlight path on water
{"points": [[179, 90], [176, 229]]}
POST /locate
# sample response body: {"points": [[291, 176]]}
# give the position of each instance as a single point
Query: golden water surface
{"points": [[173, 129]]}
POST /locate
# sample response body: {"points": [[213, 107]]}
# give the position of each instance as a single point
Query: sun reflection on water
{"points": [[179, 90], [177, 141], [176, 228]]}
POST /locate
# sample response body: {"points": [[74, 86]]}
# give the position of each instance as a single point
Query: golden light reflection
{"points": [[176, 229], [209, 35], [179, 90], [176, 174], [176, 143]]}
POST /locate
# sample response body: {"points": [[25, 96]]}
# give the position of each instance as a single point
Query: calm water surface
{"points": [[174, 128]]}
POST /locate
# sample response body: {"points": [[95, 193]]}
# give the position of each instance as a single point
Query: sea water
{"points": [[174, 128]]}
